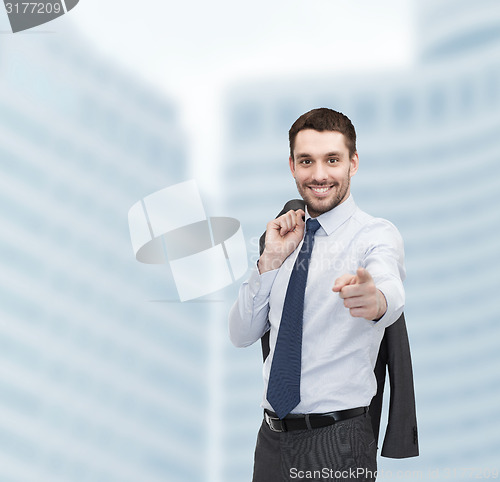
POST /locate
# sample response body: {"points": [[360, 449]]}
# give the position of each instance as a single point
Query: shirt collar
{"points": [[337, 216]]}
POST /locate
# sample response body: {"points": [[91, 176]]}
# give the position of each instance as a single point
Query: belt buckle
{"points": [[270, 423]]}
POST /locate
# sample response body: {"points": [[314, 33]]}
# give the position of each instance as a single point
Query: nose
{"points": [[320, 173]]}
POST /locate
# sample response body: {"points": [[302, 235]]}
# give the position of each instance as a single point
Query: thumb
{"points": [[363, 275]]}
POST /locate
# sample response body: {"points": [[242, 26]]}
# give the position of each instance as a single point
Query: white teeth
{"points": [[320, 189]]}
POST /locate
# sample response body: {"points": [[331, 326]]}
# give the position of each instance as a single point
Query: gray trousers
{"points": [[341, 452]]}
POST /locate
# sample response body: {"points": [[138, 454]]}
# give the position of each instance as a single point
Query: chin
{"points": [[321, 206]]}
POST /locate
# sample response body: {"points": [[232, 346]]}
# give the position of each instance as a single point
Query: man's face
{"points": [[322, 169]]}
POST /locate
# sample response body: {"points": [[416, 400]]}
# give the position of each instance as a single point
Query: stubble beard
{"points": [[323, 206]]}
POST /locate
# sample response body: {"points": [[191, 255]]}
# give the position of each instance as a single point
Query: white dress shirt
{"points": [[339, 351]]}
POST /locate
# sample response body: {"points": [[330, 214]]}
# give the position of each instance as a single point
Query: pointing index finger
{"points": [[344, 280], [363, 276]]}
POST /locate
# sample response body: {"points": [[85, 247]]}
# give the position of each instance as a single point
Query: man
{"points": [[326, 286]]}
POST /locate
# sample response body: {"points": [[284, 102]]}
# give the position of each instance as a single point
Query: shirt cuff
{"points": [[395, 297], [261, 284]]}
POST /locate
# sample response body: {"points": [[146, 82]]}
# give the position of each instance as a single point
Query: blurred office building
{"points": [[429, 147], [102, 370]]}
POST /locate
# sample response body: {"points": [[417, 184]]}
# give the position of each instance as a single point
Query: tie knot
{"points": [[312, 225]]}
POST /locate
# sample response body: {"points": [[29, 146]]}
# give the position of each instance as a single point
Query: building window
{"points": [[247, 122], [403, 109], [437, 103]]}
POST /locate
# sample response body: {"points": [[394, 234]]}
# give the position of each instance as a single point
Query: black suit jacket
{"points": [[401, 436]]}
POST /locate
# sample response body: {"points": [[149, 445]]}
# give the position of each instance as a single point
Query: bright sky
{"points": [[191, 49]]}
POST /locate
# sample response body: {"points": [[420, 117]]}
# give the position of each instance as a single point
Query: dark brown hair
{"points": [[324, 119]]}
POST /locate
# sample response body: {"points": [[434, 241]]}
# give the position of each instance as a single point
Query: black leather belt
{"points": [[309, 421]]}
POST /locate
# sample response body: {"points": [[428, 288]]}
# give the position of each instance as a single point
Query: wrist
{"points": [[268, 263], [382, 305]]}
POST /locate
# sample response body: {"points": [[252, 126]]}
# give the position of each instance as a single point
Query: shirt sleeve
{"points": [[248, 317], [384, 260]]}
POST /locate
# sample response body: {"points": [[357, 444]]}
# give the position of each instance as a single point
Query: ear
{"points": [[292, 165], [354, 164]]}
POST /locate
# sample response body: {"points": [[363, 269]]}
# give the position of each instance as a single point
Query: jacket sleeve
{"points": [[401, 435]]}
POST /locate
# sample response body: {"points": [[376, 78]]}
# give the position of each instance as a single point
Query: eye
{"points": [[333, 160], [305, 161]]}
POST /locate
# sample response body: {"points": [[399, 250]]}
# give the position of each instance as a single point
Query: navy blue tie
{"points": [[283, 390]]}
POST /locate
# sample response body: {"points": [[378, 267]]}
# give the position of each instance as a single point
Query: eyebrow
{"points": [[328, 154]]}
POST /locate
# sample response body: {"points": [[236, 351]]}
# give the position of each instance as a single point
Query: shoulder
{"points": [[377, 230]]}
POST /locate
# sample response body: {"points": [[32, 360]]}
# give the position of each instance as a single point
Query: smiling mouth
{"points": [[320, 189]]}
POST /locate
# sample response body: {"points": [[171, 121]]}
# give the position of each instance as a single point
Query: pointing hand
{"points": [[361, 295]]}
